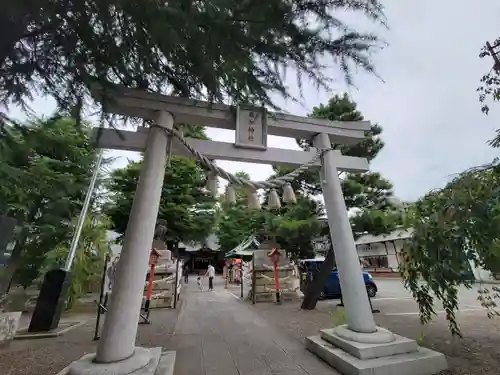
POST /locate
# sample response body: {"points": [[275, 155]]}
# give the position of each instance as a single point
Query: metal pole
{"points": [[277, 282], [176, 275], [101, 297], [241, 278], [83, 213], [254, 281]]}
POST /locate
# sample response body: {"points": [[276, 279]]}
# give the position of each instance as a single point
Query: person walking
{"points": [[200, 284], [211, 275], [185, 272]]}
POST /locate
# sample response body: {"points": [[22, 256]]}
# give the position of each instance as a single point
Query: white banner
{"points": [[110, 272]]}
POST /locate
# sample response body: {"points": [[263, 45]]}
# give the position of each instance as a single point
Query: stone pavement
{"points": [[217, 334]]}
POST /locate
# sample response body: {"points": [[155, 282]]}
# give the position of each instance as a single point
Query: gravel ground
{"points": [[49, 356], [475, 354]]}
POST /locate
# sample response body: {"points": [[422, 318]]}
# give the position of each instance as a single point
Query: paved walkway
{"points": [[217, 334]]}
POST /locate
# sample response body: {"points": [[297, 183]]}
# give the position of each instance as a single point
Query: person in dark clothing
{"points": [[185, 272]]}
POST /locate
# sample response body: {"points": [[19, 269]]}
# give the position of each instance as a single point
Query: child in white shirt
{"points": [[200, 284]]}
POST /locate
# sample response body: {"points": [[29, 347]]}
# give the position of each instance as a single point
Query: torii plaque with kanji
{"points": [[251, 128]]}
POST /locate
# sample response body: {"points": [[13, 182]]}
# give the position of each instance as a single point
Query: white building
{"points": [[378, 254], [382, 254]]}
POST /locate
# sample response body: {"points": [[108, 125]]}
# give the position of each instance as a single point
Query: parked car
{"points": [[332, 286], [331, 289]]}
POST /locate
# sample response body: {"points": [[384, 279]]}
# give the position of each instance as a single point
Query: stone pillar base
{"points": [[378, 353], [144, 362], [9, 323]]}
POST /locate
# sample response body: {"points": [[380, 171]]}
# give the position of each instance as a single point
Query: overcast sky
{"points": [[428, 107]]}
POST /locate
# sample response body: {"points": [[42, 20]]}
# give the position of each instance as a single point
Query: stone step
{"points": [[263, 281], [166, 364], [271, 288], [160, 363], [400, 345], [421, 362], [271, 297]]}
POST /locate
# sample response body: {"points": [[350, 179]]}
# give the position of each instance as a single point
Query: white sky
{"points": [[428, 106]]}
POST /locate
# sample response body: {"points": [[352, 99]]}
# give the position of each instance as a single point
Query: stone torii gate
{"points": [[116, 352]]}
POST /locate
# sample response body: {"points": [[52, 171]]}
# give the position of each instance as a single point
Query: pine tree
{"points": [[218, 49]]}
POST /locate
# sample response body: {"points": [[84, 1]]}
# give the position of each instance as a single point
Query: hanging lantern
{"points": [[288, 194], [230, 195], [212, 183], [154, 255], [273, 201], [253, 201]]}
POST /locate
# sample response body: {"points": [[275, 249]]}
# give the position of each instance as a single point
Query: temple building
{"points": [[197, 256]]}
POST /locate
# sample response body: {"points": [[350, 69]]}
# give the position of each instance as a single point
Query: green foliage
{"points": [[59, 48], [194, 131], [297, 225], [339, 317], [421, 339], [452, 227], [88, 264], [376, 221], [186, 206], [488, 299], [45, 168], [235, 224], [342, 108]]}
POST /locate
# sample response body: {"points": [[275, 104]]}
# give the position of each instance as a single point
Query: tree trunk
{"points": [[313, 290]]}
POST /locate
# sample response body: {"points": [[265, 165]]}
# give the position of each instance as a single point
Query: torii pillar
{"points": [[116, 351]]}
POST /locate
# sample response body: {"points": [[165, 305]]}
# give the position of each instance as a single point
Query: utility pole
{"points": [[494, 51]]}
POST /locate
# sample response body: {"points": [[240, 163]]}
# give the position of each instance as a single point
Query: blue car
{"points": [[332, 285]]}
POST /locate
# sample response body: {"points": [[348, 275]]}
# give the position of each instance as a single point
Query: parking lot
{"points": [[473, 354], [393, 299]]}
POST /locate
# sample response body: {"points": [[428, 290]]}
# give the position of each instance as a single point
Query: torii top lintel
{"points": [[144, 104]]}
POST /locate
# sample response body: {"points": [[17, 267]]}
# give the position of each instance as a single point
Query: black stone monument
{"points": [[51, 301]]}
